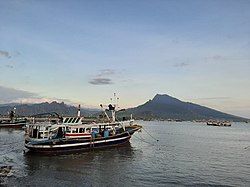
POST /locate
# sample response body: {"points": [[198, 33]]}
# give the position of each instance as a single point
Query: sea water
{"points": [[187, 154]]}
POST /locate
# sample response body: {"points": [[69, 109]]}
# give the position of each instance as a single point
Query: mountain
{"points": [[167, 107], [160, 107], [32, 109]]}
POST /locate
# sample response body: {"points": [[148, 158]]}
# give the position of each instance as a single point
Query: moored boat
{"points": [[13, 121], [18, 123], [219, 123], [72, 135]]}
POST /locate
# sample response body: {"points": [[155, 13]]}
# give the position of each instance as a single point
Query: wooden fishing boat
{"points": [[72, 135], [13, 121], [17, 123]]}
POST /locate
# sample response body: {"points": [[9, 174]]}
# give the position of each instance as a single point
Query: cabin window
{"points": [[81, 130], [78, 119], [70, 120], [68, 129], [66, 120], [74, 120], [74, 130]]}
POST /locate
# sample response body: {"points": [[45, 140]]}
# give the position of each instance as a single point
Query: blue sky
{"points": [[84, 51]]}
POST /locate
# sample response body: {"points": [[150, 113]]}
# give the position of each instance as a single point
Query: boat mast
{"points": [[105, 112], [79, 111], [115, 105], [112, 108]]}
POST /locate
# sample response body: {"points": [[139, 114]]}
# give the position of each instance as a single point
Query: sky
{"points": [[84, 51]]}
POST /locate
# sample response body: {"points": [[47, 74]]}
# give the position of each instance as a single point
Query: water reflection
{"points": [[10, 130], [88, 166]]}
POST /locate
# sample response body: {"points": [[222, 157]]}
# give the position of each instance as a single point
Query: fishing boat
{"points": [[219, 123], [17, 123], [72, 135], [13, 121]]}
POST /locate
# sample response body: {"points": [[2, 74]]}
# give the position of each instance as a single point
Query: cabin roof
{"points": [[72, 120]]}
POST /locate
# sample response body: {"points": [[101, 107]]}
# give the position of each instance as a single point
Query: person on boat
{"points": [[106, 133], [12, 115], [60, 119], [111, 107], [102, 133]]}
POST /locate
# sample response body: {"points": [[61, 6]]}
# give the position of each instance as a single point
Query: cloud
{"points": [[10, 94], [106, 72], [101, 81], [9, 66], [213, 98], [215, 58], [40, 100], [103, 77], [5, 54], [182, 64]]}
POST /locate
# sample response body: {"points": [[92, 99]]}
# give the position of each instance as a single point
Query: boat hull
{"points": [[12, 125], [219, 124], [77, 145]]}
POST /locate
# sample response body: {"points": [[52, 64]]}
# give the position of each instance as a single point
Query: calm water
{"points": [[187, 154]]}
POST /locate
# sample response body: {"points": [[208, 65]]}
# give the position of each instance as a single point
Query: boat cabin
{"points": [[72, 128], [45, 131], [80, 131]]}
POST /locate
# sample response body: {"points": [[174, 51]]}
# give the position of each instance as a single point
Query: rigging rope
{"points": [[141, 139], [150, 135]]}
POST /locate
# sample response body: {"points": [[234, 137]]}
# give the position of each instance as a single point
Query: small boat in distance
{"points": [[71, 135], [219, 123], [13, 121]]}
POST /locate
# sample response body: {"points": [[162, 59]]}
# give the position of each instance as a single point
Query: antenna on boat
{"points": [[116, 99]]}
